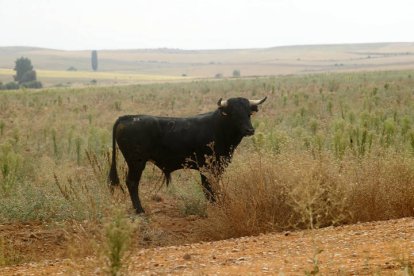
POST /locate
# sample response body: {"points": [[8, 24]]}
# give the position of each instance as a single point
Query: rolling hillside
{"points": [[175, 63]]}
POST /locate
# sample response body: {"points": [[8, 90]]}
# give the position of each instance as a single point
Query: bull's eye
{"points": [[224, 113]]}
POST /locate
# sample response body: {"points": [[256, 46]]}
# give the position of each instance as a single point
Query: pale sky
{"points": [[197, 24]]}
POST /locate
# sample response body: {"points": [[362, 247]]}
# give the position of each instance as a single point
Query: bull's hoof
{"points": [[113, 188], [133, 214], [142, 217], [211, 199], [139, 211]]}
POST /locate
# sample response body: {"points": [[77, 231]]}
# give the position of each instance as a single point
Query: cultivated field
{"points": [[57, 78], [329, 150], [149, 65]]}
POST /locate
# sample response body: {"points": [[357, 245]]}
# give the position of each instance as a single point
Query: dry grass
{"points": [[298, 191]]}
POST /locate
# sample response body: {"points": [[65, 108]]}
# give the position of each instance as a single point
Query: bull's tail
{"points": [[113, 174]]}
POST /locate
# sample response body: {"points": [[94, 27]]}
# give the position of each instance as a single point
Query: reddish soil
{"points": [[40, 249]]}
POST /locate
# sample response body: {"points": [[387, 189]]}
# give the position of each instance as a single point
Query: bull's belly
{"points": [[174, 163]]}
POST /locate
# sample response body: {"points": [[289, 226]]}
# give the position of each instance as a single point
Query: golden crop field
{"points": [[55, 77]]}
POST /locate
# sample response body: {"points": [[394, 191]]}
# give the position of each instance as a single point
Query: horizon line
{"points": [[209, 49]]}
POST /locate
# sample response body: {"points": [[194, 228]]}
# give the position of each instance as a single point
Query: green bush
{"points": [[32, 84], [11, 85]]}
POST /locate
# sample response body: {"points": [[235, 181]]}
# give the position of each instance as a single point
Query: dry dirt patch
{"points": [[37, 241], [386, 247]]}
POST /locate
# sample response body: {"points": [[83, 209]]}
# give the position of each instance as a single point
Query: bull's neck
{"points": [[226, 137]]}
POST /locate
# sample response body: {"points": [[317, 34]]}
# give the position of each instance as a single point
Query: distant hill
{"points": [[208, 63]]}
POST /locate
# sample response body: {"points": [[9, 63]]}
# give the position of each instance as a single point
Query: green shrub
{"points": [[32, 84], [118, 232], [236, 73], [10, 168], [11, 85]]}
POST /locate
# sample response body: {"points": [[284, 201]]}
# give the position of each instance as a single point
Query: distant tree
{"points": [[236, 73], [29, 76], [218, 75], [72, 69], [94, 60], [24, 70], [25, 75]]}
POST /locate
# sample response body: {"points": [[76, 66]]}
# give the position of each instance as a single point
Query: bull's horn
{"points": [[222, 103], [257, 102]]}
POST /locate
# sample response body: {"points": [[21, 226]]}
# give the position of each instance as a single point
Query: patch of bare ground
{"points": [[385, 247], [38, 241]]}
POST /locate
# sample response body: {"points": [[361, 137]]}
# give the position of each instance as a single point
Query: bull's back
{"points": [[163, 139]]}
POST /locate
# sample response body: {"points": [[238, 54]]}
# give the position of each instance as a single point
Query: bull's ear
{"points": [[254, 108]]}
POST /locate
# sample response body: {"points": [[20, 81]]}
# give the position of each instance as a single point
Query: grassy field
{"points": [[329, 149]]}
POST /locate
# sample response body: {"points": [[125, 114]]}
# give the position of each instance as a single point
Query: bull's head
{"points": [[238, 112]]}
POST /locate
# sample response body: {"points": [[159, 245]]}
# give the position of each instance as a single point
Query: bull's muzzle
{"points": [[249, 131]]}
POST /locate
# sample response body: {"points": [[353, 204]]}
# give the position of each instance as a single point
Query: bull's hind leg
{"points": [[208, 191], [132, 181]]}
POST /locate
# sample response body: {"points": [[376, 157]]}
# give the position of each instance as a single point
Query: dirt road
{"points": [[386, 247]]}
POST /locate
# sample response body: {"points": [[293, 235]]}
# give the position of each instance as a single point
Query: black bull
{"points": [[171, 142]]}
